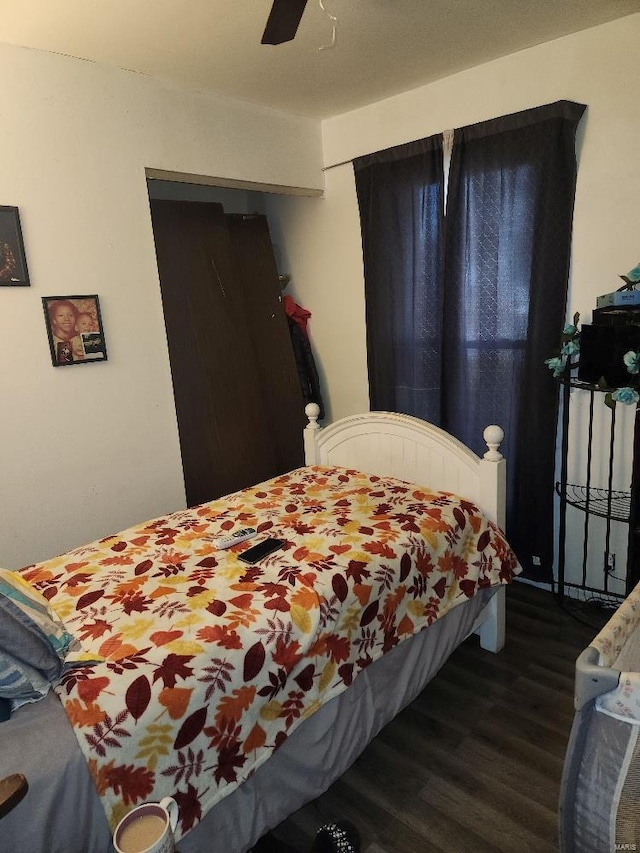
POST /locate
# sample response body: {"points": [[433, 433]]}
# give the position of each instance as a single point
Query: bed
{"points": [[393, 556], [600, 790]]}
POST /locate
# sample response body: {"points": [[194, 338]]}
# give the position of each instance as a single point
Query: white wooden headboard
{"points": [[394, 445]]}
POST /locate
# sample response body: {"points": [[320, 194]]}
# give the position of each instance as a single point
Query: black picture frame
{"points": [[13, 260], [74, 326]]}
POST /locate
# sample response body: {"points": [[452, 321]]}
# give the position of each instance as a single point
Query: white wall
{"points": [[597, 67], [87, 450]]}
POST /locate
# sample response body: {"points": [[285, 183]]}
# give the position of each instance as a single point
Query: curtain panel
{"points": [[508, 246], [401, 198], [462, 313]]}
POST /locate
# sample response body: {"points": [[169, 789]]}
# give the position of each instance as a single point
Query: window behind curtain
{"points": [[494, 292], [490, 248]]}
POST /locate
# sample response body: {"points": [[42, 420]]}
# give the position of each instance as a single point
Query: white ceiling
{"points": [[383, 47]]}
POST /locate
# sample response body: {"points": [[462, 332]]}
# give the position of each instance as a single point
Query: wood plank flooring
{"points": [[474, 764]]}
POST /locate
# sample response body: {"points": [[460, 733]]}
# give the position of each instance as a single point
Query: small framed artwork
{"points": [[13, 261], [74, 325]]}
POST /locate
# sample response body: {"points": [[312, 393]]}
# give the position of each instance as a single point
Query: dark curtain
{"points": [[459, 323], [509, 222], [401, 197]]}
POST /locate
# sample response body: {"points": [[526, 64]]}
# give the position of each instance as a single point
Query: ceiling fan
{"points": [[283, 21]]}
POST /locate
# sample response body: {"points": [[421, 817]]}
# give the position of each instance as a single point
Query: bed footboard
{"points": [[490, 626]]}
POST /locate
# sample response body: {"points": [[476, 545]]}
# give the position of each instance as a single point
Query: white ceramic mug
{"points": [[148, 828]]}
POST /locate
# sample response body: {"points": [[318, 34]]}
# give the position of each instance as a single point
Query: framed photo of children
{"points": [[13, 261], [74, 325]]}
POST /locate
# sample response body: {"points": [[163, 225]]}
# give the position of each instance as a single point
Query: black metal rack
{"points": [[601, 502], [607, 503]]}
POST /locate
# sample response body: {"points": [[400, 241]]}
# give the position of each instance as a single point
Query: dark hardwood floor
{"points": [[474, 763]]}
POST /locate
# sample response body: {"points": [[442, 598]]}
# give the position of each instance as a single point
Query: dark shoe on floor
{"points": [[340, 837]]}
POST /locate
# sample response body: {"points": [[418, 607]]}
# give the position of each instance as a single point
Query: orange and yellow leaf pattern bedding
{"points": [[209, 663]]}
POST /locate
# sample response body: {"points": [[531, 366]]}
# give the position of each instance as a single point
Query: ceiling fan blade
{"points": [[283, 21]]}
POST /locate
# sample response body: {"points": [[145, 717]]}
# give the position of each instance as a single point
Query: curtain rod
{"points": [[563, 109], [335, 165]]}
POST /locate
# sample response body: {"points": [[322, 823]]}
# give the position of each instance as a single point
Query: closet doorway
{"points": [[237, 393]]}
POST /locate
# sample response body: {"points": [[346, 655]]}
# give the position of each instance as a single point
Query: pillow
{"points": [[35, 647], [23, 604], [19, 682], [22, 640]]}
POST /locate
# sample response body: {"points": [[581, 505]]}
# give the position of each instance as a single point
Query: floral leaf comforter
{"points": [[210, 663]]}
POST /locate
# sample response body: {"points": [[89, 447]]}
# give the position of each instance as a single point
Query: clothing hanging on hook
{"points": [[296, 312], [297, 318]]}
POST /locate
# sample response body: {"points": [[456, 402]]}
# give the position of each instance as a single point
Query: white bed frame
{"points": [[393, 445]]}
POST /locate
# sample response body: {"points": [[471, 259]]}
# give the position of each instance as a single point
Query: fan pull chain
{"points": [[334, 21]]}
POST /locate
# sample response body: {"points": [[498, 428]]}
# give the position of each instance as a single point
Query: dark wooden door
{"points": [[222, 403], [269, 331]]}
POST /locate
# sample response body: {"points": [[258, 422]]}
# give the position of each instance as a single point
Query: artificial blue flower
{"points": [[556, 364], [628, 396], [632, 361], [634, 275], [570, 348], [569, 329]]}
